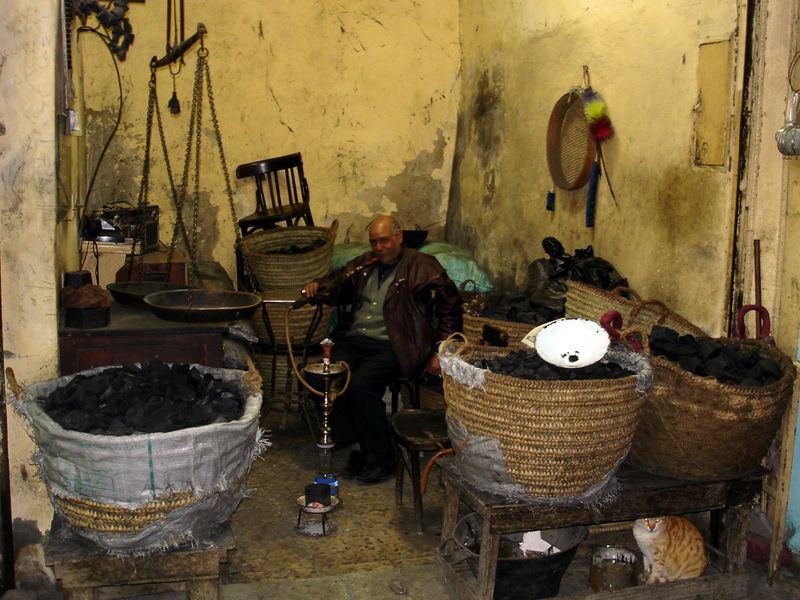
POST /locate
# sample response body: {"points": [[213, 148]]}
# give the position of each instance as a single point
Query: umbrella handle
{"points": [[764, 321]]}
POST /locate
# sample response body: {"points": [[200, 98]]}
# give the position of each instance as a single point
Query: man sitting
{"points": [[402, 304]]}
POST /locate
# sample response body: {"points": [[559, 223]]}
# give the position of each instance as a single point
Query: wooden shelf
{"points": [[640, 495]]}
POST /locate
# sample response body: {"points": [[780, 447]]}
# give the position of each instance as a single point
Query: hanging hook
{"points": [[177, 53], [586, 82]]}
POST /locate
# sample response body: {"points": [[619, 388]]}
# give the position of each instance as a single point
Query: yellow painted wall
{"points": [[371, 93], [670, 230], [28, 227], [366, 90]]}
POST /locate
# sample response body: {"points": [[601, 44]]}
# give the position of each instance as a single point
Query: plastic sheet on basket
{"points": [[141, 493]]}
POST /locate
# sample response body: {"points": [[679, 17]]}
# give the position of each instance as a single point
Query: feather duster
{"points": [[596, 111]]}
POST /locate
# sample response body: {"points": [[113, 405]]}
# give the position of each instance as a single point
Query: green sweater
{"points": [[368, 320]]}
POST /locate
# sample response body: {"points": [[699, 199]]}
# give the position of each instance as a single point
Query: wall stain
{"points": [[681, 202], [26, 532], [480, 132], [487, 115], [415, 192], [119, 173]]}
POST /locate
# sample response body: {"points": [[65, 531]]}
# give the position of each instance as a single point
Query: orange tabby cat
{"points": [[673, 548]]}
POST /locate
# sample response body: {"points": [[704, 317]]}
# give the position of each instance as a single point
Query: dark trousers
{"points": [[359, 415]]}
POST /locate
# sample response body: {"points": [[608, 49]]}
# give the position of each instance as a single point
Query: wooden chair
{"points": [[288, 193], [413, 391], [416, 431]]}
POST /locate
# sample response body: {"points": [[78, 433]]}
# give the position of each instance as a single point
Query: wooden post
{"points": [[787, 439]]}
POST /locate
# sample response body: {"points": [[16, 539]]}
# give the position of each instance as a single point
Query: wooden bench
{"points": [[640, 495], [83, 569]]}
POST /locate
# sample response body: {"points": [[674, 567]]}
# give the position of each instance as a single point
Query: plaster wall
{"points": [[28, 227], [669, 231], [366, 90]]}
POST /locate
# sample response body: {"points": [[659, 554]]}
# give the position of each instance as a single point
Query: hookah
{"points": [[325, 379], [333, 379], [322, 496]]}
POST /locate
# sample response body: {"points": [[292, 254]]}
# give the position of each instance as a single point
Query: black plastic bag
{"points": [[546, 275]]}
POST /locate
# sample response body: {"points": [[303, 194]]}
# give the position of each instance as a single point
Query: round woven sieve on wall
{"points": [[571, 147]]}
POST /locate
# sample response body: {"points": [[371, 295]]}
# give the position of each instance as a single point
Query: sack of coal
{"points": [[158, 487]]}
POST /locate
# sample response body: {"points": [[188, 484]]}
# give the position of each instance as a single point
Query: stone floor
{"points": [[371, 550]]}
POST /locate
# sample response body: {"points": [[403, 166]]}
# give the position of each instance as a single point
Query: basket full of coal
{"points": [[715, 406], [149, 456], [524, 428]]}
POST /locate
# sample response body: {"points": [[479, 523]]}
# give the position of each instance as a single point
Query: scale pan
{"points": [[133, 292], [202, 306]]}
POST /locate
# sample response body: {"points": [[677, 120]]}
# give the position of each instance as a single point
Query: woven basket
{"points": [[473, 329], [283, 374], [108, 519], [697, 428], [430, 399], [558, 438], [146, 492], [299, 323], [288, 271], [585, 301]]}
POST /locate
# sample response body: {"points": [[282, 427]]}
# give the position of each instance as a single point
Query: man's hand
{"points": [[310, 289], [433, 367]]}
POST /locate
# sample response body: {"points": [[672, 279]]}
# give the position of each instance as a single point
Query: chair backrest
{"points": [[287, 187]]}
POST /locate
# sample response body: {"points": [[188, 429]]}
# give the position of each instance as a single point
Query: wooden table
{"points": [[134, 334], [83, 568], [640, 495]]}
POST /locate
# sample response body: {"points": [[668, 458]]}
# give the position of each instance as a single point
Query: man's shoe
{"points": [[372, 475], [354, 466]]}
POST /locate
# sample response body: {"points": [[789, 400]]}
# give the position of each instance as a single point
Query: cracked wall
{"points": [[366, 90]]}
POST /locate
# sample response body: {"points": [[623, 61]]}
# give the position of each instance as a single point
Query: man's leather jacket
{"points": [[422, 306]]}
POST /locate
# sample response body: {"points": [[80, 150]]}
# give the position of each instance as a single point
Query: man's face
{"points": [[386, 245]]}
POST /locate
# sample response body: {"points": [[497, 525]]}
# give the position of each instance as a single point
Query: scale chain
{"points": [[248, 271], [179, 193]]}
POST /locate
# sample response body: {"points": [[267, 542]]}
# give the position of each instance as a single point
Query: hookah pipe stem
{"points": [[340, 279]]}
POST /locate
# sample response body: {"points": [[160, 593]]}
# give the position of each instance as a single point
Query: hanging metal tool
{"points": [[174, 17], [188, 235]]}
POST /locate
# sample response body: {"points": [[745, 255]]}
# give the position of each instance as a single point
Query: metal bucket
{"points": [[521, 577]]}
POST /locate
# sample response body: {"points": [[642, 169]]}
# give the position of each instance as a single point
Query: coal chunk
{"points": [[525, 364], [301, 248], [151, 397], [730, 363]]}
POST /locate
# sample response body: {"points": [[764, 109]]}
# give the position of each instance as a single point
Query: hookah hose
{"points": [[294, 364], [302, 302]]}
